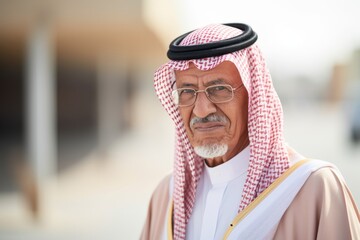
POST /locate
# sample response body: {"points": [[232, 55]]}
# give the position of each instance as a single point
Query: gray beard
{"points": [[211, 150]]}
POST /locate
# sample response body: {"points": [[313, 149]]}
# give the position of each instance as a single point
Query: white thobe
{"points": [[218, 198]]}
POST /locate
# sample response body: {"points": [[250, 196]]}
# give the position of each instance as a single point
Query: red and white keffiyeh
{"points": [[268, 154]]}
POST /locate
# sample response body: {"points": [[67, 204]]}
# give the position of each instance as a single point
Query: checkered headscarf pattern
{"points": [[268, 154]]}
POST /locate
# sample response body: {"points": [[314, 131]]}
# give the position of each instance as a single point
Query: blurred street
{"points": [[105, 196]]}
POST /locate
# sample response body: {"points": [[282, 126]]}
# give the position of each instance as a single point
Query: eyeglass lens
{"points": [[216, 94]]}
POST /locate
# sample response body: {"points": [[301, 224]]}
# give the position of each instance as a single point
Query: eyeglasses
{"points": [[184, 97]]}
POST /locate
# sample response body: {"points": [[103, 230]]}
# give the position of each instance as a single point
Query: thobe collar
{"points": [[229, 170]]}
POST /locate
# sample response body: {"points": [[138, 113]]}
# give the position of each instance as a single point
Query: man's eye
{"points": [[216, 89], [219, 88], [187, 91]]}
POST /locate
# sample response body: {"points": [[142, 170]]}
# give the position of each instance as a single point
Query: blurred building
{"points": [[337, 83], [69, 72], [351, 97]]}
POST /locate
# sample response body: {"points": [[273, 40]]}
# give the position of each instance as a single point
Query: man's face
{"points": [[231, 131]]}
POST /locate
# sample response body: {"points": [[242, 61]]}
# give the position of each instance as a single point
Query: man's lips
{"points": [[208, 126]]}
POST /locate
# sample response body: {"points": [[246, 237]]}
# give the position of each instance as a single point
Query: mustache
{"points": [[209, 118]]}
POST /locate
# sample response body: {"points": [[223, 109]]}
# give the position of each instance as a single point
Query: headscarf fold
{"points": [[268, 154]]}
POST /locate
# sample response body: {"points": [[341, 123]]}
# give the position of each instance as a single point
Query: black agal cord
{"points": [[212, 49]]}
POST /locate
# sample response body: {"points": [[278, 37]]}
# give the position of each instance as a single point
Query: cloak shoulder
{"points": [[323, 209]]}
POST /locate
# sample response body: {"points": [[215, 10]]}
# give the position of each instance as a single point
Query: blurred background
{"points": [[83, 138]]}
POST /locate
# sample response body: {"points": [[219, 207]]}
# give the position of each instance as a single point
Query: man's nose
{"points": [[203, 106]]}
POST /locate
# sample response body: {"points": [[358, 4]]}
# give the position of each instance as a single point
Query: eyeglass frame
{"points": [[206, 93]]}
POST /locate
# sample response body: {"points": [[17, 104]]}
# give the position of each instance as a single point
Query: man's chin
{"points": [[211, 150]]}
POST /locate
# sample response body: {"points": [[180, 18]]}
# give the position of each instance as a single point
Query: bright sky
{"points": [[297, 37]]}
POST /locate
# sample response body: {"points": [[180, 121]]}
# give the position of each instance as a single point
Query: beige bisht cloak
{"points": [[322, 209]]}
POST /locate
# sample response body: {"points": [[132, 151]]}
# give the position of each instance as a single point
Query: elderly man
{"points": [[234, 177]]}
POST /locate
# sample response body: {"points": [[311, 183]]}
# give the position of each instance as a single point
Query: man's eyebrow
{"points": [[215, 82], [185, 84]]}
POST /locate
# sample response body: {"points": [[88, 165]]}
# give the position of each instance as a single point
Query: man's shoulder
{"points": [[325, 182], [322, 209], [325, 176], [322, 178]]}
